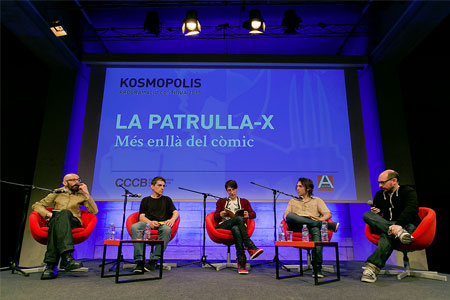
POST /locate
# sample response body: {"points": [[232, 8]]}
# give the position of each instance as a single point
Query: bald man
{"points": [[64, 217], [394, 215]]}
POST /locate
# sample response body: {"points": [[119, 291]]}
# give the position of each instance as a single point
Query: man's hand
{"points": [[223, 214], [154, 224], [169, 223], [49, 215], [84, 189], [395, 229], [245, 214], [375, 210]]}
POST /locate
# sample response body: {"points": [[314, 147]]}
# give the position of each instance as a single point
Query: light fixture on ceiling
{"points": [[290, 21], [191, 25], [57, 28], [152, 24], [255, 23]]}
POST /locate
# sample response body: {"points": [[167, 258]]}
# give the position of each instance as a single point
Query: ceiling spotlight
{"points": [[152, 24], [255, 23], [191, 25], [290, 21], [57, 28]]}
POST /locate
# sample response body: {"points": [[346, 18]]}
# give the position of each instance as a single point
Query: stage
{"points": [[195, 282]]}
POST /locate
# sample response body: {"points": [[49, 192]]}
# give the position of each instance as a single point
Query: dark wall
{"points": [[24, 87], [425, 85]]}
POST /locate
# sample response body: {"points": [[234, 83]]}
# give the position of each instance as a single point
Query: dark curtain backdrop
{"points": [[24, 86]]}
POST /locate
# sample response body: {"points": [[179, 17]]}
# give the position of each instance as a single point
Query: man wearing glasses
{"points": [[64, 217], [394, 215]]}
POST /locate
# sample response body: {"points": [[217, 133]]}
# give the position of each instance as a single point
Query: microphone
{"points": [[59, 191], [370, 202], [134, 195]]}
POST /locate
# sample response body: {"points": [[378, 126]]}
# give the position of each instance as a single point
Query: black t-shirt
{"points": [[160, 209]]}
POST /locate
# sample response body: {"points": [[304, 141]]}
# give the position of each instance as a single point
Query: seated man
{"points": [[158, 211], [237, 224], [311, 211], [394, 215], [65, 217]]}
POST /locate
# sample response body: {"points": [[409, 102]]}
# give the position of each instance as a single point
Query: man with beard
{"points": [[64, 217], [394, 215]]}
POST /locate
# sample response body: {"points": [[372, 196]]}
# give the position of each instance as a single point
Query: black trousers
{"points": [[240, 234], [60, 238]]}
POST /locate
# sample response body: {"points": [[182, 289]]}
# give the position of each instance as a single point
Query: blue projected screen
{"points": [[199, 127]]}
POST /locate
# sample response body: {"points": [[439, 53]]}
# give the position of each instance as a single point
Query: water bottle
{"points": [[111, 231], [324, 232], [280, 233], [305, 233], [147, 232]]}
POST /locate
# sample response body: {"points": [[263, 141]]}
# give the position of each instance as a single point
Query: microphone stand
{"points": [[275, 192], [203, 259], [116, 263], [14, 264]]}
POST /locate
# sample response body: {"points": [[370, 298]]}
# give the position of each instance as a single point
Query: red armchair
{"points": [[423, 237], [223, 236], [298, 237], [39, 229]]}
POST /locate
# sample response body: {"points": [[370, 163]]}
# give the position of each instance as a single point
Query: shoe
{"points": [[150, 266], [319, 274], [69, 263], [139, 269], [50, 272], [368, 275], [405, 237], [254, 253], [333, 226], [242, 268]]}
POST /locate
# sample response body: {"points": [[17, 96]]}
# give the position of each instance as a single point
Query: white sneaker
{"points": [[405, 237], [368, 275]]}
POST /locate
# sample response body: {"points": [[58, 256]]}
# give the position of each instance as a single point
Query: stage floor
{"points": [[195, 282]]}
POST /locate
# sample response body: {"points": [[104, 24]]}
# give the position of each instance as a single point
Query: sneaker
{"points": [[69, 263], [50, 272], [242, 269], [139, 267], [405, 237], [319, 274], [333, 226], [150, 266], [254, 253], [368, 275]]}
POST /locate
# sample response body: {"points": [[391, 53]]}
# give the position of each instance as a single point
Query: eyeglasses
{"points": [[383, 182], [75, 179]]}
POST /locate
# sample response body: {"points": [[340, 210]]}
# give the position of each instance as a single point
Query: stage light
{"points": [[255, 23], [57, 28], [152, 24], [191, 24], [290, 21]]}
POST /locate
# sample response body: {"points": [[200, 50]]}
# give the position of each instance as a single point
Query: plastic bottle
{"points": [[305, 233], [111, 231], [280, 233], [324, 232], [147, 232]]}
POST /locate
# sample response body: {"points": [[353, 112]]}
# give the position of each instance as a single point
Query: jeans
{"points": [[60, 237], [386, 243], [164, 233], [296, 222], [240, 234]]}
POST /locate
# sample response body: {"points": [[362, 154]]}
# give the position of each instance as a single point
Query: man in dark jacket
{"points": [[394, 215]]}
